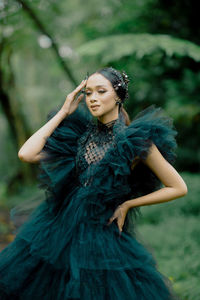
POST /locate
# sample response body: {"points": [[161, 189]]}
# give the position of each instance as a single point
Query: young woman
{"points": [[97, 169]]}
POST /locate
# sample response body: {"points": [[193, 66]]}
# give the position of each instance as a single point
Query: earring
{"points": [[118, 101]]}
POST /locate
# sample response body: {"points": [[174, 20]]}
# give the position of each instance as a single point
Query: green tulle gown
{"points": [[65, 249]]}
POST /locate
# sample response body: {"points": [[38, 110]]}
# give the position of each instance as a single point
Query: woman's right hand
{"points": [[71, 103], [31, 149]]}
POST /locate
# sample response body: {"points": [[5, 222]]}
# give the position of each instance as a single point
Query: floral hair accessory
{"points": [[125, 77], [122, 82]]}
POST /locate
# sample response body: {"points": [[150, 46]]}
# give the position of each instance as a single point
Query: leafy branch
{"points": [[115, 47]]}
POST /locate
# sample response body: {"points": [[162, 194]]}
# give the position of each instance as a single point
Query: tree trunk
{"points": [[43, 30], [17, 125]]}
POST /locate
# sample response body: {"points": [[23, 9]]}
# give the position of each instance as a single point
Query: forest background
{"points": [[47, 48]]}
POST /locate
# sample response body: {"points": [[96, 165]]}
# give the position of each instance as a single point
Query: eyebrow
{"points": [[96, 86]]}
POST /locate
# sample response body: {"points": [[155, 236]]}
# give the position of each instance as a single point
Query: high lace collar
{"points": [[106, 126], [109, 127]]}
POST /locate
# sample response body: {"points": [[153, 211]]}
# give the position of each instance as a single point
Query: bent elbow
{"points": [[31, 159], [183, 190], [22, 157]]}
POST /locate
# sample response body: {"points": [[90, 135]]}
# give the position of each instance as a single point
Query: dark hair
{"points": [[120, 84]]}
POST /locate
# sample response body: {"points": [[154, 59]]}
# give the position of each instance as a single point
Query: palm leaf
{"points": [[115, 47]]}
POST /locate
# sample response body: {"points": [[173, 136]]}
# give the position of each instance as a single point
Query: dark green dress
{"points": [[66, 250]]}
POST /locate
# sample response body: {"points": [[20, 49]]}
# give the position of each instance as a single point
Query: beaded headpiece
{"points": [[121, 82]]}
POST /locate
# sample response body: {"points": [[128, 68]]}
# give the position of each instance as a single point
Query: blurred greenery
{"points": [[171, 231], [137, 44], [47, 47]]}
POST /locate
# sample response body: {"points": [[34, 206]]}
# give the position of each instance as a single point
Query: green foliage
{"points": [[189, 205], [171, 232], [115, 47]]}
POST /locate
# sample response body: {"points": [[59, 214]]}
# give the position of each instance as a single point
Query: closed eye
{"points": [[87, 93]]}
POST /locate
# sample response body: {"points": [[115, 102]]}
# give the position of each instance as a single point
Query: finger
{"points": [[79, 87], [110, 220], [120, 230], [80, 98], [120, 225]]}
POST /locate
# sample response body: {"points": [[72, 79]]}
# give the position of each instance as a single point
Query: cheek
{"points": [[108, 100], [87, 101]]}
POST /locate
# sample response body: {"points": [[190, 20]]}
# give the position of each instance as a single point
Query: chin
{"points": [[96, 113]]}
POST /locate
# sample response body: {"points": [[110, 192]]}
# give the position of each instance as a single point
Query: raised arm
{"points": [[31, 149]]}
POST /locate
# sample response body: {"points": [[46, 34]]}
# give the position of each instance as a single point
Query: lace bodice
{"points": [[93, 145]]}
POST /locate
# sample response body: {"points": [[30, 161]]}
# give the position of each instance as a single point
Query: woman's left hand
{"points": [[119, 214]]}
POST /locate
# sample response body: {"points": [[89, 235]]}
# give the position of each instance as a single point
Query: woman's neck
{"points": [[108, 124], [105, 119]]}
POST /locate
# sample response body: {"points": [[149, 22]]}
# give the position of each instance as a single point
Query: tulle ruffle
{"points": [[151, 125], [70, 257], [40, 280], [57, 174]]}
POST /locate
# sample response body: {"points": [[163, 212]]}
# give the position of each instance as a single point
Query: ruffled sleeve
{"points": [[151, 125], [57, 169]]}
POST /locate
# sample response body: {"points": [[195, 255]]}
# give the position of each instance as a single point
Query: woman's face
{"points": [[100, 97]]}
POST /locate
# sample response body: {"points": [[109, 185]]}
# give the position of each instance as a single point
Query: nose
{"points": [[93, 98]]}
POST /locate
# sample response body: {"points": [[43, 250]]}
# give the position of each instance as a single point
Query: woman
{"points": [[97, 169]]}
